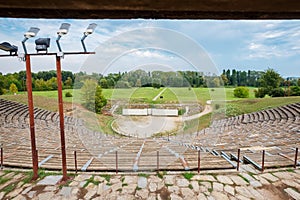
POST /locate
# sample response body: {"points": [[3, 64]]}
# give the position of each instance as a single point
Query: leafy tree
{"points": [[100, 100], [228, 76], [68, 83], [241, 92], [92, 96], [233, 79], [103, 83], [88, 94], [13, 88], [138, 83], [270, 79], [224, 79], [52, 83], [122, 84]]}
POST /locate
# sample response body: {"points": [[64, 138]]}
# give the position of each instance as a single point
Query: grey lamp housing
{"points": [[5, 46], [42, 44]]}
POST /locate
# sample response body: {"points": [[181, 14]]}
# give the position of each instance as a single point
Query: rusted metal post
{"points": [[61, 118], [1, 158], [31, 118], [116, 162], [198, 161], [263, 161], [157, 154], [238, 160], [296, 158], [75, 159]]}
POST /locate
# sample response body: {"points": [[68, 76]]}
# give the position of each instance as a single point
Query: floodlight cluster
{"points": [[42, 44]]}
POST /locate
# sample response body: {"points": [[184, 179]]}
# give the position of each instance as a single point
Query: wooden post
{"points": [[238, 161], [296, 158]]}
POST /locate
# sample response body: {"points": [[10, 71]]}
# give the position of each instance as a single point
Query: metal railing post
{"points": [[238, 161], [296, 158], [116, 162], [263, 161], [75, 160], [1, 158], [198, 161], [157, 154]]}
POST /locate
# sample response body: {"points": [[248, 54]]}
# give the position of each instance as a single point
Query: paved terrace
{"points": [[275, 185]]}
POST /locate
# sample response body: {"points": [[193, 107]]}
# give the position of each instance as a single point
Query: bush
{"points": [[241, 92], [295, 91], [68, 94], [261, 92], [277, 92]]}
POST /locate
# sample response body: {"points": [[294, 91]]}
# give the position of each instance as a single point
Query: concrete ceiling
{"points": [[154, 9]]}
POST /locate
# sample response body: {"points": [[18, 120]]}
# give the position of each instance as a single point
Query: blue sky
{"points": [[163, 44]]}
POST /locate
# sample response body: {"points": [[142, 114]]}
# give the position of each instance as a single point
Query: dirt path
{"points": [[155, 98], [207, 109]]}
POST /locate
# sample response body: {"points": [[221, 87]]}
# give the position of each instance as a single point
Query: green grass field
{"points": [[223, 96], [234, 106], [148, 93]]}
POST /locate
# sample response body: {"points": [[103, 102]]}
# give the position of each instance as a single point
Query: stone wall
{"points": [[150, 111]]}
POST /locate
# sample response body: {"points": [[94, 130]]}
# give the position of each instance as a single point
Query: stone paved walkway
{"points": [[275, 184]]}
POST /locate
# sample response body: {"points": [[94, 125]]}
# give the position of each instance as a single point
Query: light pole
{"points": [[63, 31], [42, 44], [29, 34]]}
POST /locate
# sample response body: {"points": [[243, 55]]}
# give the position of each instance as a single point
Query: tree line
{"points": [[41, 81], [46, 80]]}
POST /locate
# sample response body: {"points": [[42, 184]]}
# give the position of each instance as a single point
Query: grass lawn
{"points": [[38, 101], [234, 106], [252, 105]]}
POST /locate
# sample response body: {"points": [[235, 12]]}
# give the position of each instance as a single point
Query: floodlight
{"points": [[32, 32], [42, 44], [5, 46], [90, 29], [63, 30]]}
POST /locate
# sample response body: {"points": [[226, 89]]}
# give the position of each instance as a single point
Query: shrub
{"points": [[241, 92], [261, 92], [295, 91], [276, 92], [68, 94]]}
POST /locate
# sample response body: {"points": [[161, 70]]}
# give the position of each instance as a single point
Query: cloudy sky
{"points": [[124, 45]]}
